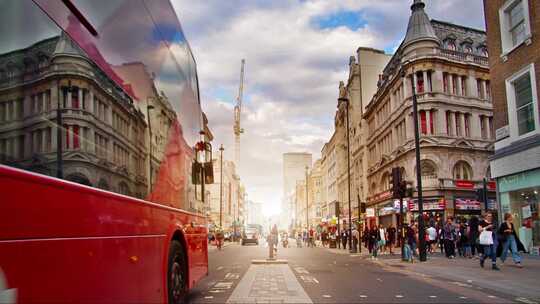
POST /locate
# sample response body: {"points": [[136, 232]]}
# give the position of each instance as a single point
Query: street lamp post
{"points": [[421, 231], [148, 108], [307, 202], [346, 101], [221, 186]]}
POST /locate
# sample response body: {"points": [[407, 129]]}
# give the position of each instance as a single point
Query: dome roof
{"points": [[419, 27]]}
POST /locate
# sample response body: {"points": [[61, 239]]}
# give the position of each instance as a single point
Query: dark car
{"points": [[250, 235]]}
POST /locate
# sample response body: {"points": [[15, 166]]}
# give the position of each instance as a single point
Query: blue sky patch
{"points": [[351, 19]]}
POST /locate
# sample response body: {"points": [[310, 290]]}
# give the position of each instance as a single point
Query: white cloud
{"points": [[292, 70]]}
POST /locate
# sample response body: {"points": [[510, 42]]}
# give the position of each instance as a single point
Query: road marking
{"points": [[433, 297], [491, 297], [525, 300], [399, 296], [463, 297], [379, 279], [219, 268], [363, 296], [301, 270], [327, 296], [216, 291], [309, 279], [209, 297], [232, 276], [316, 281]]}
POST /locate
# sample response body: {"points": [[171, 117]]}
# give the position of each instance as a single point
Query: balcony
{"points": [[463, 57]]}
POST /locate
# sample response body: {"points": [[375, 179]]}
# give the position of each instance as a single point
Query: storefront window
{"points": [[524, 205]]}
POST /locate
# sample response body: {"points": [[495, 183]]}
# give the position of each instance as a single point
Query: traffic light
{"points": [[362, 208], [396, 182], [480, 194]]}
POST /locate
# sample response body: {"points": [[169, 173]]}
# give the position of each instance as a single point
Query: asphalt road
{"points": [[328, 277]]}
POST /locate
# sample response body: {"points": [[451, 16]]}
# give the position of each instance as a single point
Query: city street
{"points": [[332, 276]]}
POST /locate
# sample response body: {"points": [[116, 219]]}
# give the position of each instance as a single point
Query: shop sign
{"points": [[519, 181], [396, 205], [466, 184], [386, 211], [492, 204], [381, 196], [492, 185], [370, 212], [428, 204], [467, 204]]}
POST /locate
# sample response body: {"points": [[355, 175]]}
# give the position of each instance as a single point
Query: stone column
{"points": [[437, 78], [91, 143], [441, 119], [54, 138], [428, 121], [91, 101], [28, 144], [452, 125], [415, 81], [486, 125], [458, 85], [44, 140], [68, 142], [450, 84], [475, 125], [409, 125], [54, 96], [462, 124], [471, 86], [44, 101], [483, 88], [405, 88], [426, 82]]}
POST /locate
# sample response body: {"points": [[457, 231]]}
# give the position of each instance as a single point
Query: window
{"points": [[462, 170], [524, 104], [445, 83], [458, 125], [451, 45], [463, 86], [448, 124], [467, 48], [430, 122], [479, 88], [423, 124], [76, 140], [454, 85], [482, 127], [428, 168], [467, 124], [515, 24]]}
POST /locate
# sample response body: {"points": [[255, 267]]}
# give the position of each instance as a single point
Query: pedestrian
{"points": [[440, 237], [355, 239], [473, 235], [375, 237], [382, 239], [409, 243], [431, 233], [449, 238], [391, 238], [486, 228], [366, 239], [344, 238], [510, 240]]}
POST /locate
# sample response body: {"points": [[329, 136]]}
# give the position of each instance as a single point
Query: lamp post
{"points": [[421, 231], [148, 108], [221, 149], [307, 202], [346, 101]]}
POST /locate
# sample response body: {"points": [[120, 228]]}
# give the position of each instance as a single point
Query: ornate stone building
{"points": [[102, 132], [448, 66]]}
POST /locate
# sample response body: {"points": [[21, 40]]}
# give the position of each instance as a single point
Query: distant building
{"points": [[231, 198], [514, 31], [448, 66], [294, 169]]}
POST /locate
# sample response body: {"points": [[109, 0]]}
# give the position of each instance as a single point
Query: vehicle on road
{"points": [[250, 236], [98, 142]]}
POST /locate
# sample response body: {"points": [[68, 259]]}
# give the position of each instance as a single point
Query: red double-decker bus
{"points": [[99, 117]]}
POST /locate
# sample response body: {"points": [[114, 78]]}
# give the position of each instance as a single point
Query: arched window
{"points": [[103, 184], [428, 169], [462, 170], [467, 48], [79, 178], [450, 44], [123, 188]]}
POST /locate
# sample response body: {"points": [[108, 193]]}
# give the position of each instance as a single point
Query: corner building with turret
{"points": [[447, 66]]}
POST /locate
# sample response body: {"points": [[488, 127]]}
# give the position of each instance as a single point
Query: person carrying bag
{"points": [[486, 228]]}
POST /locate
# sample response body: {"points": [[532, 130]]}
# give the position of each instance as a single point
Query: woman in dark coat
{"points": [[509, 240]]}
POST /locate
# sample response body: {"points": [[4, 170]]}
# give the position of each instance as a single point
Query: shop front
{"points": [[433, 208], [465, 208], [519, 194]]}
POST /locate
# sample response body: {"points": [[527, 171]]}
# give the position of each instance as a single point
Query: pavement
{"points": [[321, 275]]}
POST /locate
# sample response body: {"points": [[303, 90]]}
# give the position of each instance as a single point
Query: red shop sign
{"points": [[492, 185], [429, 204], [464, 184], [467, 204]]}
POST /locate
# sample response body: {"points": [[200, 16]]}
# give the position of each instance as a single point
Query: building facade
{"points": [[513, 28], [102, 133], [448, 66]]}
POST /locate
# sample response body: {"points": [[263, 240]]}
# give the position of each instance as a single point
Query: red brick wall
{"points": [[517, 59]]}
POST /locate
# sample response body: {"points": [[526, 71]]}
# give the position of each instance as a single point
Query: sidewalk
{"points": [[521, 283]]}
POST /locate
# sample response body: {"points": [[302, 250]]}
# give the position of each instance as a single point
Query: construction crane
{"points": [[237, 114]]}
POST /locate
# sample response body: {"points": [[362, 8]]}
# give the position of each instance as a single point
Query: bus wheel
{"points": [[177, 274]]}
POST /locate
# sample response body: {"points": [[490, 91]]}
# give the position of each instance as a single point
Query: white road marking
{"points": [[525, 300], [363, 296], [399, 296], [491, 297], [316, 281], [223, 285], [379, 279], [433, 297], [327, 296], [209, 297], [216, 291], [301, 270], [463, 297], [469, 281], [219, 268], [232, 276]]}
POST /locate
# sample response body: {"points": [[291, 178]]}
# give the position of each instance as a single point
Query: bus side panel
{"points": [[61, 242]]}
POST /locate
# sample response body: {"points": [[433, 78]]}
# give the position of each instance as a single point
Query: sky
{"points": [[296, 53]]}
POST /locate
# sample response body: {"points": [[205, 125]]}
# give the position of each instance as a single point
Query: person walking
{"points": [[344, 236], [391, 238], [449, 238], [366, 239], [375, 237], [473, 235], [382, 239], [432, 238], [510, 240], [355, 239], [488, 241]]}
